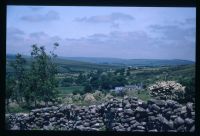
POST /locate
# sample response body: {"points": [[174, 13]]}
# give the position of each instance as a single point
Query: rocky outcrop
{"points": [[128, 114]]}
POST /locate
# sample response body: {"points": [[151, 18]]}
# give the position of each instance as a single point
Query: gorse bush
{"points": [[167, 90]]}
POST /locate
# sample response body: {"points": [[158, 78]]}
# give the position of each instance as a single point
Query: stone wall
{"points": [[128, 114]]}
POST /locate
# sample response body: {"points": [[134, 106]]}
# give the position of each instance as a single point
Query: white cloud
{"points": [[49, 16]]}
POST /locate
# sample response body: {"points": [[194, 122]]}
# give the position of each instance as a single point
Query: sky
{"points": [[116, 32]]}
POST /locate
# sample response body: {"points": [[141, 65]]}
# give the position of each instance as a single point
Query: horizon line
{"points": [[114, 58]]}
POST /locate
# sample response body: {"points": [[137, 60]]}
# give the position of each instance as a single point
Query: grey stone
{"points": [[153, 130], [189, 107], [171, 130], [181, 128], [192, 129], [152, 118], [129, 111], [128, 129], [81, 128], [130, 119], [173, 117], [140, 127], [138, 130], [135, 125], [160, 103], [151, 101], [155, 107], [189, 121], [178, 121], [126, 125], [96, 125], [171, 103]]}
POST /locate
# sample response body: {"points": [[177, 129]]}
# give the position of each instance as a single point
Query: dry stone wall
{"points": [[128, 114]]}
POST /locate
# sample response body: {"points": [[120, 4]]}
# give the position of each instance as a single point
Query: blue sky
{"points": [[117, 32]]}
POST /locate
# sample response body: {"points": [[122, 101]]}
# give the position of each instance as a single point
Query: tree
{"points": [[95, 82], [81, 79], [128, 73], [190, 88], [68, 81], [88, 88], [10, 87], [42, 74], [19, 78]]}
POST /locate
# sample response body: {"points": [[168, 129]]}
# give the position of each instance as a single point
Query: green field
{"points": [[87, 77], [68, 90]]}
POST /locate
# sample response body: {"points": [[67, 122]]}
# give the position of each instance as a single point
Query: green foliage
{"points": [[42, 74], [88, 88], [77, 92], [19, 85], [17, 109], [66, 82], [38, 83], [71, 89], [143, 94], [190, 88]]}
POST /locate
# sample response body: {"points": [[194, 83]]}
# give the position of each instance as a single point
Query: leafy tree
{"points": [[67, 82], [10, 88], [88, 88], [95, 82], [43, 70], [190, 88], [19, 78], [105, 82], [128, 73], [81, 79]]}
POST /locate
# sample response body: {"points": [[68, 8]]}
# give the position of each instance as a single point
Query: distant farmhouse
{"points": [[128, 88]]}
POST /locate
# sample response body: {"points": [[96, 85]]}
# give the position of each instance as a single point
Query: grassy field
{"points": [[143, 94], [71, 89]]}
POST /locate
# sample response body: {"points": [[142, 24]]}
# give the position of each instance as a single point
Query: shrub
{"points": [[98, 95], [167, 90], [89, 98], [77, 97]]}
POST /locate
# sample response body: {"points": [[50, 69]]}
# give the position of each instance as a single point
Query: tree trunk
{"points": [[7, 104], [35, 103]]}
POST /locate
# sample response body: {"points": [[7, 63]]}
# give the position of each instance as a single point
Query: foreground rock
{"points": [[128, 114]]}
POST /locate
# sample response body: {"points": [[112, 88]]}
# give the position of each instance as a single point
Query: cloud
{"points": [[38, 35], [173, 32], [111, 19], [14, 35], [35, 8], [14, 31], [180, 38], [49, 16], [19, 42], [118, 44], [190, 21]]}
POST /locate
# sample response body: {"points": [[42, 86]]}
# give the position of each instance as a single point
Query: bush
{"points": [[76, 97], [167, 90], [108, 96], [98, 95], [88, 88], [89, 98], [15, 108], [78, 91]]}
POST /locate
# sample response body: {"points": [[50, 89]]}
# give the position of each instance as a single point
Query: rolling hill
{"points": [[131, 62], [66, 64]]}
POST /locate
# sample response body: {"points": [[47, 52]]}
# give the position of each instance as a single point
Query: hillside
{"points": [[131, 62], [65, 65]]}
